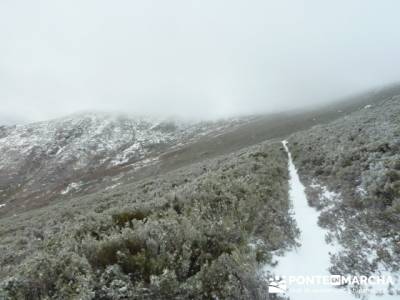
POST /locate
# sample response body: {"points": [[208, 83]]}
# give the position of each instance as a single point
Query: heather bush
{"points": [[188, 239], [357, 157]]}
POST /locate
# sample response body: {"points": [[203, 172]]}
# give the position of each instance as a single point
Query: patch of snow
{"points": [[72, 186], [327, 198], [329, 194], [112, 186], [155, 125], [361, 191], [372, 257], [256, 243], [368, 106], [60, 150], [2, 205], [314, 184], [145, 162]]}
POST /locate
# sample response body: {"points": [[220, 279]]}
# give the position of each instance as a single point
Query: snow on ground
{"points": [[71, 187], [113, 186], [384, 273], [310, 262], [361, 191], [2, 205]]}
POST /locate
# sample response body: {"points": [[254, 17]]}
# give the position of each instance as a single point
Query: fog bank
{"points": [[202, 59]]}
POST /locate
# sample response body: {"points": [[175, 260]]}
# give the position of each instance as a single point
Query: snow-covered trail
{"points": [[312, 257]]}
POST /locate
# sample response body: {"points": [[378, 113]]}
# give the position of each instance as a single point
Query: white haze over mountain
{"points": [[197, 59]]}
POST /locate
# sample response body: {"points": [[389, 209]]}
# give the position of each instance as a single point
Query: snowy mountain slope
{"points": [[40, 161], [87, 152]]}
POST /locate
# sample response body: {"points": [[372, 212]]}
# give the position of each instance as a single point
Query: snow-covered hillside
{"points": [[50, 157]]}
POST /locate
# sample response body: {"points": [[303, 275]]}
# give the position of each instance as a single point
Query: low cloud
{"points": [[196, 59]]}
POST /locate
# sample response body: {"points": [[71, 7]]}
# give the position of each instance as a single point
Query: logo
{"points": [[281, 284]]}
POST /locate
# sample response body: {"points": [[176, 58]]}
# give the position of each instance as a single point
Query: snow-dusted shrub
{"points": [[184, 237], [358, 158]]}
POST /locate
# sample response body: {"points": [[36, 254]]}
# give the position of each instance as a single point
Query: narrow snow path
{"points": [[311, 259]]}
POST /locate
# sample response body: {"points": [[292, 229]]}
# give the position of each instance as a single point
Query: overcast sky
{"points": [[205, 58]]}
